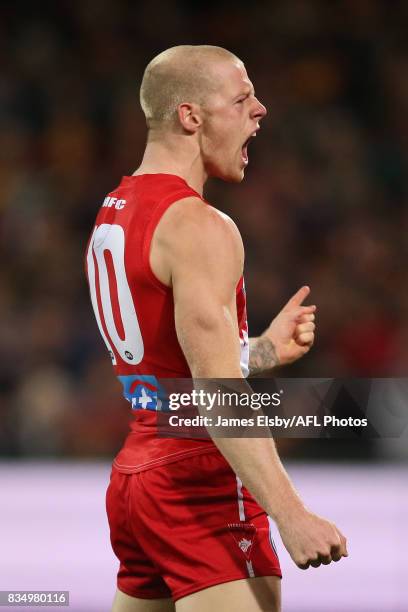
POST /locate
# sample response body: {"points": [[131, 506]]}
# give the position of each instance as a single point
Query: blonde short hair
{"points": [[179, 74]]}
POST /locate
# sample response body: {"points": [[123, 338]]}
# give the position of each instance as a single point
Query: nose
{"points": [[259, 110]]}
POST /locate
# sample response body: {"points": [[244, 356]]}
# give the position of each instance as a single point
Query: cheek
{"points": [[220, 127], [214, 146], [225, 142], [220, 143]]}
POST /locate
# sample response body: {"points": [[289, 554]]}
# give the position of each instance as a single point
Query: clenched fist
{"points": [[311, 540]]}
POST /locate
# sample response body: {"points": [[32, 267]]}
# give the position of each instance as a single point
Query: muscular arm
{"points": [[204, 255]]}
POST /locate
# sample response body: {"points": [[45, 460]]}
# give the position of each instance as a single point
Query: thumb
{"points": [[298, 297]]}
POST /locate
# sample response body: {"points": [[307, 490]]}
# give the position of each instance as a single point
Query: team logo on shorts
{"points": [[244, 535], [245, 545]]}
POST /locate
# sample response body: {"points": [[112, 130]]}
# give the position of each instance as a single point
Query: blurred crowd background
{"points": [[324, 201]]}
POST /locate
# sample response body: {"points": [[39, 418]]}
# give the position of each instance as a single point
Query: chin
{"points": [[234, 176], [238, 177]]}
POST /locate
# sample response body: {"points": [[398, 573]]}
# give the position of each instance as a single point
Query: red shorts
{"points": [[182, 527]]}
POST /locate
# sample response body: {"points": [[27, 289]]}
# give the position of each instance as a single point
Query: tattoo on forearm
{"points": [[262, 356]]}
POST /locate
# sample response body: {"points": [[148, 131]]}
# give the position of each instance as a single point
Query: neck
{"points": [[177, 154]]}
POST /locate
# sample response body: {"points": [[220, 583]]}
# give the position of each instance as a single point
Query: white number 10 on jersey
{"points": [[111, 238]]}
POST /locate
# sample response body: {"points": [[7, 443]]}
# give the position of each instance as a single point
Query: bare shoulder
{"points": [[192, 230], [192, 214]]}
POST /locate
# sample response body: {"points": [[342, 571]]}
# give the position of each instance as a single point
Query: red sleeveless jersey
{"points": [[135, 311]]}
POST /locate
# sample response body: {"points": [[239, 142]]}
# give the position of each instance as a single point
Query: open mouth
{"points": [[244, 150]]}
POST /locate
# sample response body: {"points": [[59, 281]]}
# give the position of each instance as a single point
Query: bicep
{"points": [[207, 331]]}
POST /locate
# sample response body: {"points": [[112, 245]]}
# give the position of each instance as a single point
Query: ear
{"points": [[189, 116]]}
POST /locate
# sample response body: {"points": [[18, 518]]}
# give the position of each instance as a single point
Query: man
{"points": [[165, 273]]}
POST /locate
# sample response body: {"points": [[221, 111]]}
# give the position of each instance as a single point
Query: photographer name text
{"points": [[296, 421]]}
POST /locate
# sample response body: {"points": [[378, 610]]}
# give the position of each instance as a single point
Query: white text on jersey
{"points": [[118, 204]]}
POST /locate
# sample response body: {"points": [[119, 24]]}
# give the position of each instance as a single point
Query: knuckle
{"points": [[301, 560]]}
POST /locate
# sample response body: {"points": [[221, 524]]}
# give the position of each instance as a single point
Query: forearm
{"points": [[309, 539], [209, 343], [262, 356], [256, 462]]}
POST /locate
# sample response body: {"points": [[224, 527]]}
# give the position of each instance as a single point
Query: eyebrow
{"points": [[247, 92]]}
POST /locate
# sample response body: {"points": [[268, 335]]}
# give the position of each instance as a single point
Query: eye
{"points": [[241, 100]]}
